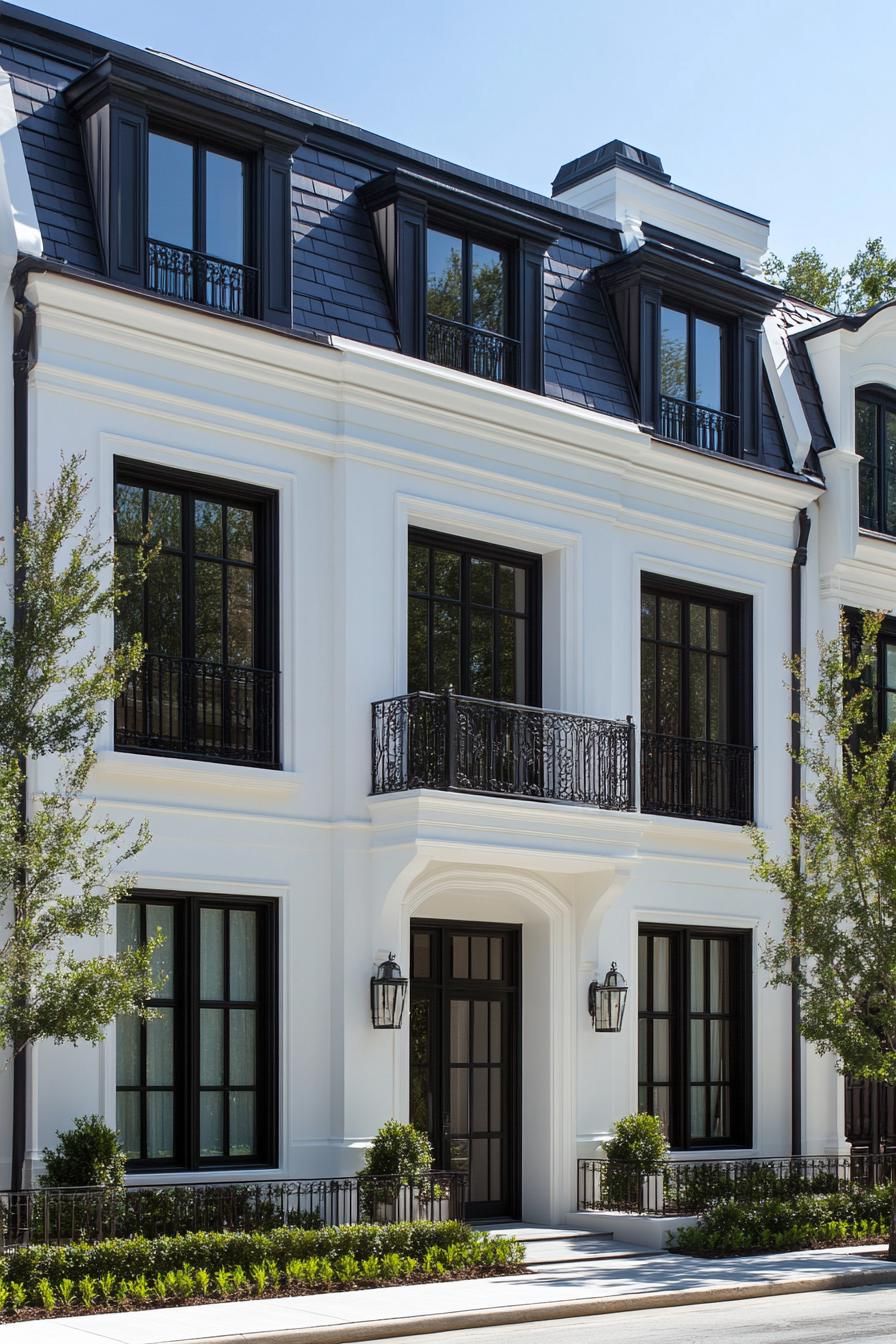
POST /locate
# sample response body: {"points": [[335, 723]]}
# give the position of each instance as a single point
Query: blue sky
{"points": [[778, 106]]}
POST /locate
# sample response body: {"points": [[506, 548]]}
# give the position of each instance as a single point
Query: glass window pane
{"points": [[648, 616], [242, 1047], [642, 973], [211, 1124], [719, 976], [240, 533], [719, 1058], [697, 695], [660, 1050], [697, 625], [128, 512], [421, 952], [459, 1045], [890, 665], [866, 447], [459, 1102], [418, 568], [242, 1124], [698, 1112], [488, 288], [129, 616], [444, 281], [127, 1050], [160, 1049], [482, 635], [209, 611], [674, 354], [446, 573], [446, 646], [720, 1112], [127, 1122], [160, 1124], [512, 588], [661, 1104], [240, 617], [225, 213], [243, 954], [480, 1031], [890, 709], [698, 992], [211, 1047], [127, 925], [708, 364], [164, 523], [479, 958], [670, 691], [164, 591], [160, 923], [480, 1099], [418, 644], [718, 630], [698, 1051], [496, 1053], [512, 659], [662, 988], [670, 620], [648, 686], [208, 527], [482, 574], [718, 699], [497, 958], [890, 470], [460, 957], [211, 953], [170, 190]]}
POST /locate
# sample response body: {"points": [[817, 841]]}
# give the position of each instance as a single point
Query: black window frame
{"points": [[883, 399], [680, 1017], [694, 314], [470, 236], [186, 1001], [265, 505], [716, 437], [201, 147], [468, 550]]}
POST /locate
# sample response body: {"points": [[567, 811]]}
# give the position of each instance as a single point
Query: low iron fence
{"points": [[684, 1188], [56, 1216]]}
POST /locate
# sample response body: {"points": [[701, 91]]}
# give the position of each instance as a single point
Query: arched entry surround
{"points": [[547, 921]]}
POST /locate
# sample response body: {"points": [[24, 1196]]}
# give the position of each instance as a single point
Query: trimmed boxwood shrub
{"points": [[798, 1223], [212, 1252]]}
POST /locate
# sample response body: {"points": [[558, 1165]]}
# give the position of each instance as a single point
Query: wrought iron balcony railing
{"points": [[186, 707], [488, 354], [689, 422], [457, 742], [710, 781], [178, 273]]}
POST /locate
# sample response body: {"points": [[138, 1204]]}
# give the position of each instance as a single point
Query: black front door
{"points": [[465, 1037]]}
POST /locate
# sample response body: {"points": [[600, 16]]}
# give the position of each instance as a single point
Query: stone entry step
{"points": [[562, 1245]]}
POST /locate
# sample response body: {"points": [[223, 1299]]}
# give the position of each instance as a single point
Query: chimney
{"points": [[621, 182]]}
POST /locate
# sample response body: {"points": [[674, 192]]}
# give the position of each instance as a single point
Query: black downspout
{"points": [[796, 782], [23, 359]]}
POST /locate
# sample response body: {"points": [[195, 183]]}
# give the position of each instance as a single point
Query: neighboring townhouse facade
{"points": [[486, 522]]}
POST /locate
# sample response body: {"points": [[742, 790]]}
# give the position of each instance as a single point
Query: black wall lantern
{"points": [[388, 991], [606, 1002]]}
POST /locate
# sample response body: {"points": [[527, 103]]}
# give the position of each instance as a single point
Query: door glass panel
{"points": [[487, 304], [480, 1031], [698, 1001], [482, 634], [211, 1124], [496, 1052], [708, 364], [209, 611], [444, 281], [240, 614], [211, 953], [698, 1112], [418, 644], [460, 1031], [243, 954], [421, 952], [674, 354], [669, 691], [479, 958], [164, 595], [697, 695], [225, 195], [170, 190], [242, 1124], [460, 957], [159, 1125], [480, 1099], [211, 1047], [497, 958], [459, 1116], [479, 1182], [648, 687], [446, 646], [661, 985]]}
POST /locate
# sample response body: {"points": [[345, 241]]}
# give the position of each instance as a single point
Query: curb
{"points": [[395, 1327]]}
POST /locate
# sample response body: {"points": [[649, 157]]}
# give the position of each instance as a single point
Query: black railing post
{"points": [[632, 762], [451, 738]]}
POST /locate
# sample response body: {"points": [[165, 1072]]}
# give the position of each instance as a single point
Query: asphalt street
{"points": [[849, 1314]]}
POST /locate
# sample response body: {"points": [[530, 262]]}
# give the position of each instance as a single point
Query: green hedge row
{"points": [[798, 1223], [138, 1271]]}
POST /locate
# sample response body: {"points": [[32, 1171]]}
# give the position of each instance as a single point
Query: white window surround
{"points": [[209, 463], [562, 618]]}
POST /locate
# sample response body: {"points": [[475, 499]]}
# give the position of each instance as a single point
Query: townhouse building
{"points": [[486, 522]]}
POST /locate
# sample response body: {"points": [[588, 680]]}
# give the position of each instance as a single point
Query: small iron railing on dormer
{"points": [[194, 277], [700, 426], [488, 354]]}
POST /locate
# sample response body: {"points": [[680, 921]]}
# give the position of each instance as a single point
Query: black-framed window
{"points": [[474, 619], [206, 611], [696, 701], [198, 236], [469, 323], [694, 1034], [196, 1083], [695, 379], [876, 447]]}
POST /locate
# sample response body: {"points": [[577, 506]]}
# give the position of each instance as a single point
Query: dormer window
{"points": [[467, 308], [694, 381], [876, 447], [197, 243]]}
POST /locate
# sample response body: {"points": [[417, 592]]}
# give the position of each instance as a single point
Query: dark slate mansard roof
{"points": [[338, 283]]}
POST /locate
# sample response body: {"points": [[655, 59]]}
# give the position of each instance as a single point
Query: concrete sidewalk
{"points": [[553, 1291]]}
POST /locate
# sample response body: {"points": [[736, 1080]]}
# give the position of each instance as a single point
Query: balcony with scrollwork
{"points": [[700, 426], [194, 277], [487, 354], [462, 744]]}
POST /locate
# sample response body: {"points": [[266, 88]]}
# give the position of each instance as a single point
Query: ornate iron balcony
{"points": [[710, 781], [194, 277], [457, 742], [488, 354], [689, 422], [211, 711]]}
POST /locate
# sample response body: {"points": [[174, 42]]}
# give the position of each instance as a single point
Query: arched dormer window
{"points": [[876, 447]]}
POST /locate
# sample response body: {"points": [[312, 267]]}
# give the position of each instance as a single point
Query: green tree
{"points": [[838, 882], [870, 278], [807, 276], [61, 862]]}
